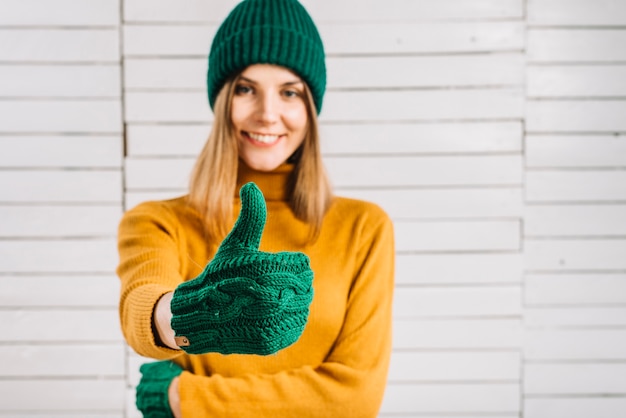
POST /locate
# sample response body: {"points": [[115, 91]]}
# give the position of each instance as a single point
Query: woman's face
{"points": [[269, 115]]}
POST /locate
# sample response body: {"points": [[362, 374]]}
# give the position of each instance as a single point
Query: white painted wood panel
{"points": [[80, 395], [165, 73], [458, 236], [62, 256], [70, 414], [66, 360], [60, 81], [574, 81], [61, 116], [575, 317], [187, 107], [60, 45], [425, 171], [76, 151], [452, 398], [584, 407], [576, 186], [564, 151], [576, 12], [59, 221], [575, 344], [194, 40], [60, 12], [575, 254], [575, 116], [60, 186], [447, 367], [72, 325], [423, 105], [575, 45], [344, 11], [580, 379], [444, 203], [158, 174], [166, 140], [442, 334], [457, 301], [575, 220], [574, 289], [416, 138], [480, 268], [84, 290], [133, 198]]}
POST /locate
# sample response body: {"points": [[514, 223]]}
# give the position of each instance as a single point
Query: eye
{"points": [[242, 89], [291, 93]]}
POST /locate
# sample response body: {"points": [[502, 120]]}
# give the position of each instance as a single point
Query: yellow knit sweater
{"points": [[338, 367]]}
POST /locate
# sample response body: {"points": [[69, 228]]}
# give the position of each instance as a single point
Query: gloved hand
{"points": [[245, 301], [152, 392]]}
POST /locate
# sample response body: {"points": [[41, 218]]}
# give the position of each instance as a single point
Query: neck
{"points": [[273, 183]]}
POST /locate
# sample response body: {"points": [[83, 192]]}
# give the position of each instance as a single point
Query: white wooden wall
{"points": [[492, 131]]}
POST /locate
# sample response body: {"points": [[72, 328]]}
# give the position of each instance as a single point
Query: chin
{"points": [[263, 165]]}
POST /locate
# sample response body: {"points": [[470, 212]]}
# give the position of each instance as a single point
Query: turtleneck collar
{"points": [[273, 184]]}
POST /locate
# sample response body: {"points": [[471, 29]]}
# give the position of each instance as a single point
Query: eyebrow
{"points": [[288, 83]]}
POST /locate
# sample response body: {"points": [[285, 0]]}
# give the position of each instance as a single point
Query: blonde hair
{"points": [[214, 176]]}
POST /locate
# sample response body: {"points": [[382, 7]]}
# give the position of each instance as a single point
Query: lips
{"points": [[263, 138]]}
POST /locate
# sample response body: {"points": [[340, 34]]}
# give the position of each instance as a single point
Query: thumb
{"points": [[249, 226]]}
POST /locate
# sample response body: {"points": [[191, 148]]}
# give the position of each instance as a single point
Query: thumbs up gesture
{"points": [[245, 301]]}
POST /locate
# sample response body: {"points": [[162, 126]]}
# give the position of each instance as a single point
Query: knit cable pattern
{"points": [[245, 301]]}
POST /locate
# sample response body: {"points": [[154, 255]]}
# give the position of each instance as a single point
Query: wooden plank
{"points": [[70, 414], [188, 107], [458, 235], [575, 344], [59, 256], [75, 151], [573, 81], [418, 269], [60, 45], [415, 138], [60, 12], [575, 254], [574, 316], [575, 220], [158, 174], [579, 379], [574, 289], [165, 73], [80, 395], [45, 325], [454, 366], [193, 40], [576, 12], [166, 140], [72, 81], [572, 407], [423, 105], [566, 151], [133, 198], [409, 171], [61, 116], [575, 45], [575, 186], [85, 290], [469, 334], [452, 398], [59, 221], [75, 360], [444, 203], [60, 186], [572, 116], [345, 11], [457, 301]]}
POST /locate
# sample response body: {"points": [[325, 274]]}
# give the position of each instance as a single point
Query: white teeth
{"points": [[266, 139]]}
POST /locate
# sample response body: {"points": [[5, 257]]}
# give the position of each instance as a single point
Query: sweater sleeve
{"points": [[352, 379], [149, 267]]}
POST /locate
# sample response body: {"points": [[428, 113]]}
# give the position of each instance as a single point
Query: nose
{"points": [[268, 108]]}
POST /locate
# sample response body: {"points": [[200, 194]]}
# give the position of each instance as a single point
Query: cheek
{"points": [[297, 118]]}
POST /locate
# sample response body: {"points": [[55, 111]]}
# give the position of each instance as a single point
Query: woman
{"points": [[266, 82]]}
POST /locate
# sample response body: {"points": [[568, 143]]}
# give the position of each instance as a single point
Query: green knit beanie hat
{"points": [[279, 32]]}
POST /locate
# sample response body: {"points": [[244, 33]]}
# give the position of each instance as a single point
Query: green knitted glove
{"points": [[152, 397], [245, 301]]}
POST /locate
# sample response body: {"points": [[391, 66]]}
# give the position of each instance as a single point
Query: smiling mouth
{"points": [[262, 138]]}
